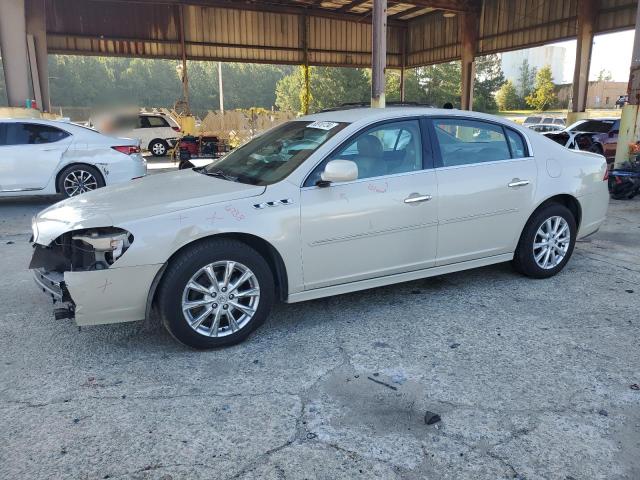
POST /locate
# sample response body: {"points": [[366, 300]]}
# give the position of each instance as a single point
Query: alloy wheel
{"points": [[551, 242], [220, 299], [79, 181]]}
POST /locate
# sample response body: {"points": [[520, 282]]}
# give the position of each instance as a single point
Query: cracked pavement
{"points": [[530, 377]]}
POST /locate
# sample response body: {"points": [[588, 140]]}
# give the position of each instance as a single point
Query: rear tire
{"points": [[551, 229], [203, 314], [77, 179], [158, 148]]}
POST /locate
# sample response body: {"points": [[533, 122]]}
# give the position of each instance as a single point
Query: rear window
{"points": [[594, 126]]}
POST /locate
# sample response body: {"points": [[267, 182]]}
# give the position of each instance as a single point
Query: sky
{"points": [[611, 51]]}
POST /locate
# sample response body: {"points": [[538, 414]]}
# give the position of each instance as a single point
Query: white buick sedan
{"points": [[328, 204], [47, 157]]}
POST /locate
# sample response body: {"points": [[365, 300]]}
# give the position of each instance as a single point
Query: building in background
{"points": [[537, 58], [601, 94]]}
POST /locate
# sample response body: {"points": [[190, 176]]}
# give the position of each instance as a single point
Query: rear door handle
{"points": [[418, 198], [518, 183]]}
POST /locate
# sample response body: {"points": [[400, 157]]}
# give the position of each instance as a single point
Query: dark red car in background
{"points": [[598, 135]]}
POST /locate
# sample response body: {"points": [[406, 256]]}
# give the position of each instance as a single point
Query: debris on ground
{"points": [[430, 418], [628, 290], [635, 386], [603, 412], [454, 345], [380, 382]]}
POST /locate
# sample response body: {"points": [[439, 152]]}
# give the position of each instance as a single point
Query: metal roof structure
{"points": [[325, 32]]}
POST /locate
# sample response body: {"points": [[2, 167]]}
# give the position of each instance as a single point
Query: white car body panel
{"points": [[33, 169], [335, 239]]}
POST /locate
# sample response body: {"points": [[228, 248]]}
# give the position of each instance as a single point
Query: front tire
{"points": [[215, 294], [547, 242], [77, 179], [158, 148]]}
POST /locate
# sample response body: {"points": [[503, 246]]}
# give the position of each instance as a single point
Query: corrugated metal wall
{"points": [[93, 27], [616, 15], [110, 28], [432, 39], [510, 25]]}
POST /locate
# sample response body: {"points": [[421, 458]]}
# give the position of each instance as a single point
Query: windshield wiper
{"points": [[219, 174]]}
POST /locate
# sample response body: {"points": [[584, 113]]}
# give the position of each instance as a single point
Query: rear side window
{"points": [[518, 150], [532, 119], [32, 134], [464, 142], [154, 122]]}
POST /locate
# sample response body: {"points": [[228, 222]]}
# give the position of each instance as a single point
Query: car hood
{"points": [[141, 198]]}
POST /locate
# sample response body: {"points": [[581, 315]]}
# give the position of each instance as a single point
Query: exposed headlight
{"points": [[108, 243]]}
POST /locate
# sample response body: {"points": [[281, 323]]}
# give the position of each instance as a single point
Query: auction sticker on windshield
{"points": [[323, 125]]}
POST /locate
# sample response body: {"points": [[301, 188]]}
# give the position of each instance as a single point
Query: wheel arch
{"points": [[568, 200], [259, 244], [77, 164]]}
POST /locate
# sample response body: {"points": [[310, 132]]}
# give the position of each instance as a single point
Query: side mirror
{"points": [[613, 132], [339, 171]]}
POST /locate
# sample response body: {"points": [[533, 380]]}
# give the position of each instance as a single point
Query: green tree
{"points": [[525, 81], [489, 78], [507, 96], [441, 83], [330, 87], [543, 95], [604, 75]]}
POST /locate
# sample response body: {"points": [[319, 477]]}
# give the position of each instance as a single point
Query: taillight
{"points": [[127, 149], [177, 129], [606, 174]]}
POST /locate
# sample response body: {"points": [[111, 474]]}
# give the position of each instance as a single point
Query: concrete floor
{"points": [[532, 379]]}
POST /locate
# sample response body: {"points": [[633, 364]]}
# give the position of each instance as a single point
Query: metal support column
{"points": [[403, 65], [587, 12], [469, 42], [630, 120], [36, 27], [13, 42], [183, 52], [306, 93], [378, 53]]}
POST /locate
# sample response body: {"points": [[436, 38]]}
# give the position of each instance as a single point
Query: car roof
{"points": [[370, 115], [42, 121]]}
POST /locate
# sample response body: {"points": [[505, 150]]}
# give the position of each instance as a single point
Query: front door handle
{"points": [[515, 183], [418, 198]]}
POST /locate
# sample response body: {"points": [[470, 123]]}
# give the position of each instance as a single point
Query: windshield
{"points": [[274, 155], [593, 126]]}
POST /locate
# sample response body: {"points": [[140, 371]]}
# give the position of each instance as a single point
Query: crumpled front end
{"points": [[78, 271]]}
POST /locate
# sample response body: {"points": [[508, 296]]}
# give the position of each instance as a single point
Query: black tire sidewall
{"points": [[160, 142], [181, 269], [72, 168], [524, 261]]}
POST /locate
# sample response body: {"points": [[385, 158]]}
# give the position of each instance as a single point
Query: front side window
{"points": [[463, 142], [32, 134], [272, 156], [386, 149]]}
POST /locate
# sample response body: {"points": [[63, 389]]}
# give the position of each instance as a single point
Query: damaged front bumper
{"points": [[52, 283], [77, 272]]}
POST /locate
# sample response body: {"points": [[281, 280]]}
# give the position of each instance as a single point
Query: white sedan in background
{"points": [[375, 197], [45, 157]]}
